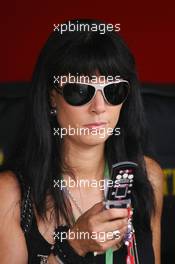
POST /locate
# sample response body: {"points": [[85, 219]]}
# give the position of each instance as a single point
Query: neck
{"points": [[86, 162]]}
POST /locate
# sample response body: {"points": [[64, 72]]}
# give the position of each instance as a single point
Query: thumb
{"points": [[97, 208]]}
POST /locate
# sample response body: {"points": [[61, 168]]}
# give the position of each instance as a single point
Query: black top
{"points": [[38, 247]]}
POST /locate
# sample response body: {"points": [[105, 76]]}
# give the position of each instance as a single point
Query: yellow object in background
{"points": [[1, 157], [169, 182]]}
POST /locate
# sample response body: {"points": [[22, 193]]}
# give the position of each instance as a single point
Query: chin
{"points": [[94, 140]]}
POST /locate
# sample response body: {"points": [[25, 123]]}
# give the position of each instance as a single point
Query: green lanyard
{"points": [[109, 252], [109, 256]]}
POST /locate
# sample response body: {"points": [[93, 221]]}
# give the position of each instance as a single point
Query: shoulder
{"points": [[155, 176], [154, 171], [10, 197], [8, 179], [10, 191]]}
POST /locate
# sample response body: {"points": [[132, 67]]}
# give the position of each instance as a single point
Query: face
{"points": [[89, 124]]}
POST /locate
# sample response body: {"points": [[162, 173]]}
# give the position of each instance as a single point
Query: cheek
{"points": [[68, 115], [114, 115]]}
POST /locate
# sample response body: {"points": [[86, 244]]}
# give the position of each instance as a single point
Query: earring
{"points": [[53, 111]]}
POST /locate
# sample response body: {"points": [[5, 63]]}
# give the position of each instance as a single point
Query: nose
{"points": [[98, 103]]}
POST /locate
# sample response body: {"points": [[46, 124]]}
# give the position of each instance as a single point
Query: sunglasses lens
{"points": [[116, 93], [78, 94]]}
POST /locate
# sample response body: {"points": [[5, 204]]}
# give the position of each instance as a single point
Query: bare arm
{"points": [[155, 175], [12, 241]]}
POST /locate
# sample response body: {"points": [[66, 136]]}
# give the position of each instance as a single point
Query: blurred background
{"points": [[149, 30]]}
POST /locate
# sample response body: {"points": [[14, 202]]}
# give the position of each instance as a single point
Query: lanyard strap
{"points": [[109, 252], [109, 256]]}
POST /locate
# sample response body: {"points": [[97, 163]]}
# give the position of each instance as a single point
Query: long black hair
{"points": [[83, 52]]}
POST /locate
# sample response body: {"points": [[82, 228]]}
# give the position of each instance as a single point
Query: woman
{"points": [[33, 205]]}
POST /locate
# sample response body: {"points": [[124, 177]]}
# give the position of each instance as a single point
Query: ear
{"points": [[52, 95]]}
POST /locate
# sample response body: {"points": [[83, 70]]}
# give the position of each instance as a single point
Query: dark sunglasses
{"points": [[78, 94]]}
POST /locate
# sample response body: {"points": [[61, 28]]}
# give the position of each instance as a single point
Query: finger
{"points": [[109, 241], [111, 214], [102, 246], [113, 225], [94, 210], [116, 234], [122, 234]]}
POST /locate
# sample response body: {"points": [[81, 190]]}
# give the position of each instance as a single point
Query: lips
{"points": [[95, 125]]}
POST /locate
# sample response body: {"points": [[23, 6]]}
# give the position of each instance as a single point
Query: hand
{"points": [[52, 259], [95, 222]]}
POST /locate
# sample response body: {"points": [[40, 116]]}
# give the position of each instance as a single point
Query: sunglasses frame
{"points": [[97, 86]]}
